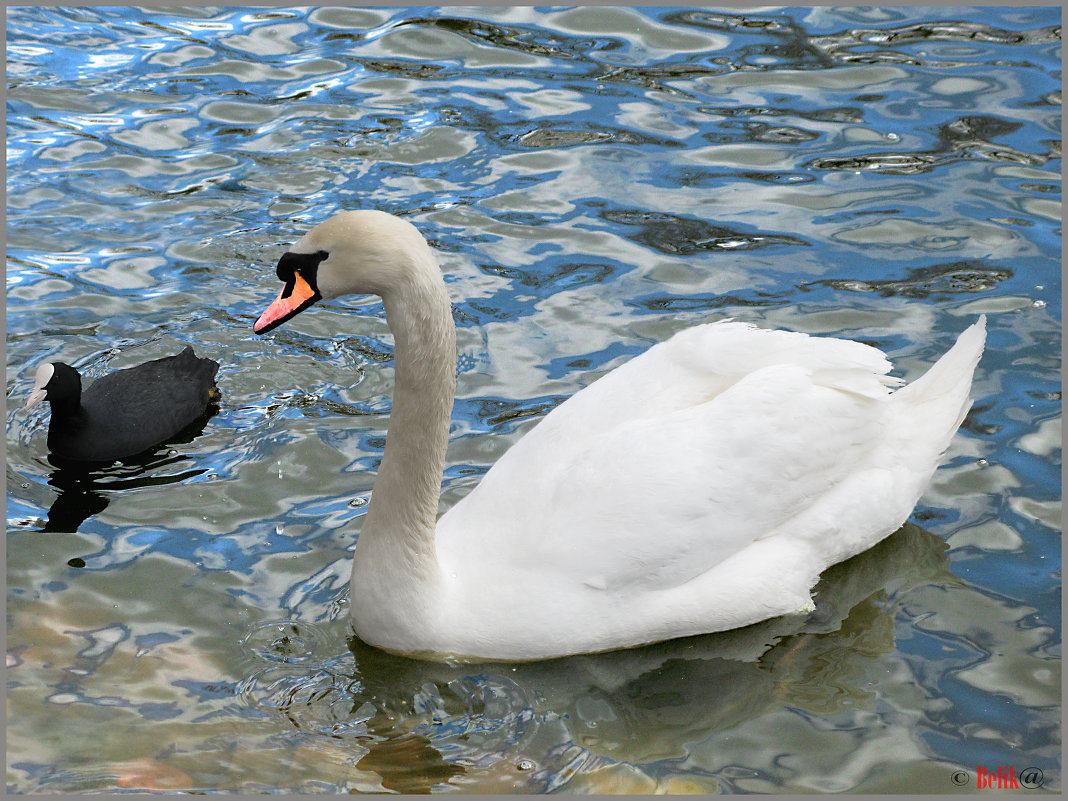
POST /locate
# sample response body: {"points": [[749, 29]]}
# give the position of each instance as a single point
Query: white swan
{"points": [[701, 486]]}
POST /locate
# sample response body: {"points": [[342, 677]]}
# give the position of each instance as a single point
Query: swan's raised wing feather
{"points": [[708, 481], [666, 491], [698, 363]]}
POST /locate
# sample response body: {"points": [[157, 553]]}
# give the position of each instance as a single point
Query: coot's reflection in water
{"points": [[461, 724], [85, 488]]}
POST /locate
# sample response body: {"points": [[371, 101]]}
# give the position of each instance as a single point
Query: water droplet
{"points": [[283, 641], [525, 764], [893, 137], [982, 462], [1038, 304]]}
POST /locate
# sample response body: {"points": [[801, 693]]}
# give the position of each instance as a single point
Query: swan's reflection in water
{"points": [[419, 725]]}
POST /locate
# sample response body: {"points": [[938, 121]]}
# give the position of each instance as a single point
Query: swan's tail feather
{"points": [[939, 400]]}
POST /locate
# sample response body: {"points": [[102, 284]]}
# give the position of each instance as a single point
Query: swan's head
{"points": [[352, 253]]}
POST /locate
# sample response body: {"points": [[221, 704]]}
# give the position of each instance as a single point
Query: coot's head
{"points": [[56, 382]]}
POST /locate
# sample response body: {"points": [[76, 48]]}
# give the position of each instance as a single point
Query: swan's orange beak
{"points": [[294, 298]]}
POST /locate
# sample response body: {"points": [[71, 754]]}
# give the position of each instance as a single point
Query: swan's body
{"points": [[702, 486]]}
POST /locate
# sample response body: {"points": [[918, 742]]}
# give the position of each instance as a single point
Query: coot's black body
{"points": [[128, 411]]}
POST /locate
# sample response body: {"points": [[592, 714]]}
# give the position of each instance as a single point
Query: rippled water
{"points": [[594, 179]]}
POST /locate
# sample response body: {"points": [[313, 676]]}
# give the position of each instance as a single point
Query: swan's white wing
{"points": [[707, 482], [672, 463], [697, 364]]}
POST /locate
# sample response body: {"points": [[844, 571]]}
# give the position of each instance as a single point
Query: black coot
{"points": [[125, 412]]}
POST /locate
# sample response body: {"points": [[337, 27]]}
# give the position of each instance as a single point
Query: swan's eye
{"points": [[307, 264]]}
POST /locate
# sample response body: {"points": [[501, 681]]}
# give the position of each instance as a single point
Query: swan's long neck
{"points": [[399, 526]]}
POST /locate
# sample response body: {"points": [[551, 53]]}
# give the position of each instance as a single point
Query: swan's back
{"points": [[702, 485], [699, 363], [640, 406]]}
